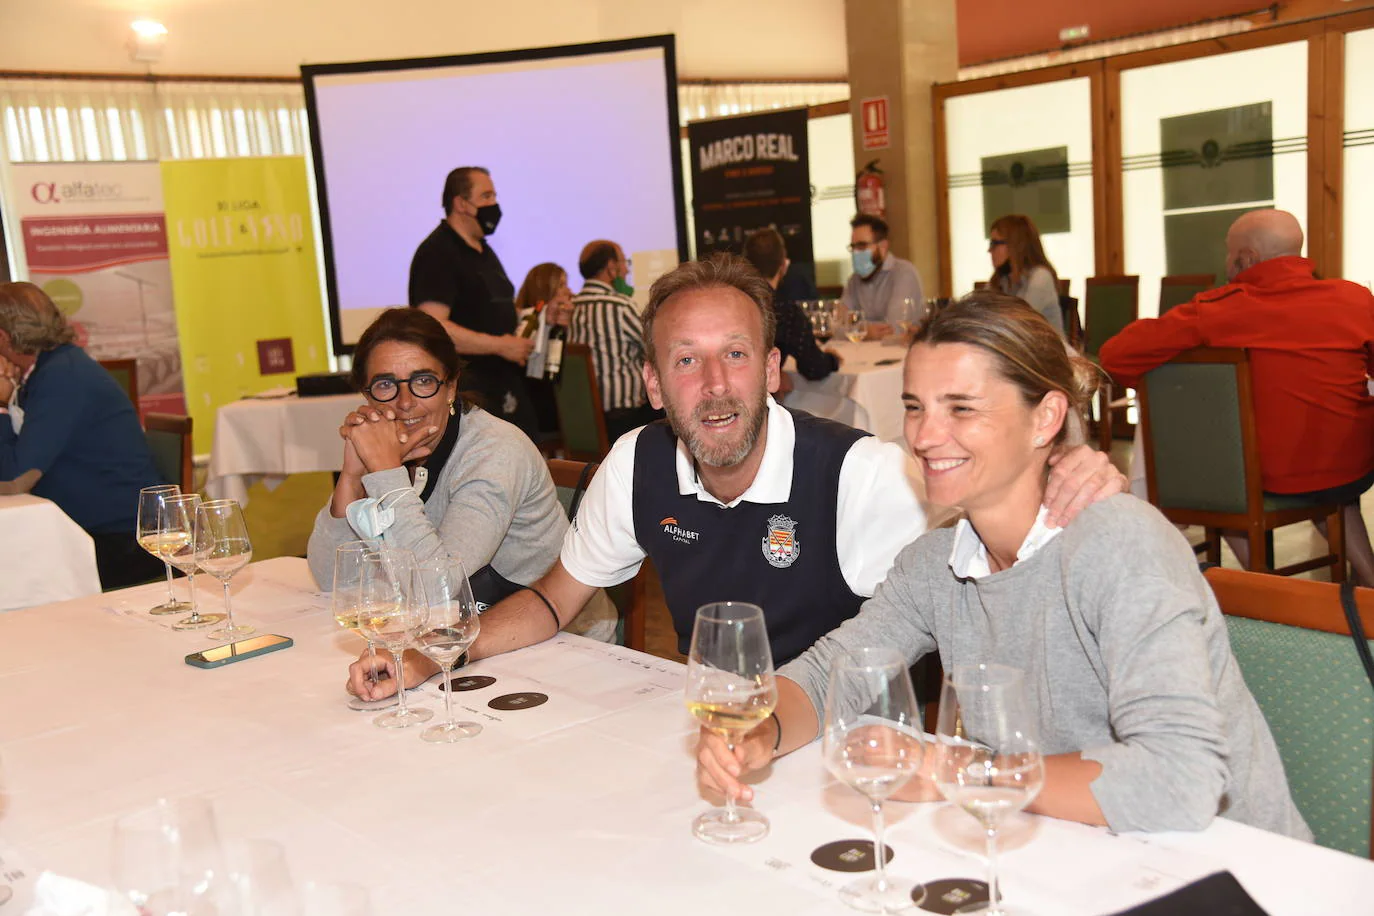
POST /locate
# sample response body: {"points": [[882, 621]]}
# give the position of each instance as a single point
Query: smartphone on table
{"points": [[238, 651]]}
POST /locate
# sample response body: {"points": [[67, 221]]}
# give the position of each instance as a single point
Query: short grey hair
{"points": [[32, 321], [720, 269]]}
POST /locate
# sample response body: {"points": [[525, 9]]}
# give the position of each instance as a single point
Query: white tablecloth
{"points": [[580, 805], [865, 393], [270, 439], [44, 555]]}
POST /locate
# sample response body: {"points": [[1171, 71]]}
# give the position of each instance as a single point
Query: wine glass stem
{"points": [[191, 588], [879, 850], [400, 655], [171, 595], [994, 889], [731, 816], [448, 696], [228, 607]]}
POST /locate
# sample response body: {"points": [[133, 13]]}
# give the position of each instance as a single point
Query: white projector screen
{"points": [[581, 141]]}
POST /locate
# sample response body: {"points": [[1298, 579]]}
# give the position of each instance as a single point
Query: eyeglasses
{"points": [[862, 246], [421, 385], [993, 243]]}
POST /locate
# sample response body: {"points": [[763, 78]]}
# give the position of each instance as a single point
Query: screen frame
{"points": [[665, 43]]}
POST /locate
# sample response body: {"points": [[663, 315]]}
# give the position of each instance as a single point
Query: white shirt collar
{"points": [[969, 558], [772, 483]]}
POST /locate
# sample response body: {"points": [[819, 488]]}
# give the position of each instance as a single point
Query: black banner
{"points": [[748, 173]]}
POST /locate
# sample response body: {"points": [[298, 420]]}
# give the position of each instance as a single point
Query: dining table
{"points": [[577, 799], [865, 392], [44, 555], [268, 437]]}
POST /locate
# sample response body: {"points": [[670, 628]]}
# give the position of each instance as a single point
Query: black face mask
{"points": [[488, 217], [1005, 269]]}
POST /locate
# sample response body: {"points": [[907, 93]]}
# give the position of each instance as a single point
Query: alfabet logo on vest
{"points": [[780, 547], [679, 534]]}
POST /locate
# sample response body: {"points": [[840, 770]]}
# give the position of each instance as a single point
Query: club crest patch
{"points": [[780, 546]]}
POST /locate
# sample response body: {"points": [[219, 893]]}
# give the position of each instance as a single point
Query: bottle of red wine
{"points": [[553, 352]]}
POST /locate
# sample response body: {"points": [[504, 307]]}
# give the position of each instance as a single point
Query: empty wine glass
{"points": [[180, 518], [872, 743], [987, 757], [855, 326], [452, 627], [910, 315], [159, 543], [392, 610], [730, 689], [261, 879], [167, 860], [222, 549], [343, 598]]}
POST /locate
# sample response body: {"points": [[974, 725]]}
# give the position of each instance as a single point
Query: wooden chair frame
{"points": [[181, 426], [1256, 522], [1110, 396], [125, 365], [1204, 280], [568, 473], [598, 415], [1293, 603]]}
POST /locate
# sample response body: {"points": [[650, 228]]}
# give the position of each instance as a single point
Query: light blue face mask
{"points": [[863, 263], [16, 418], [371, 517]]}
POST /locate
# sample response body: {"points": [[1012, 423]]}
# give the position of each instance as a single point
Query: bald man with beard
{"points": [[1311, 344]]}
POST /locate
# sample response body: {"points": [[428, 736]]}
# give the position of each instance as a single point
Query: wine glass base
{"points": [[450, 732], [170, 607], [360, 704], [748, 826], [196, 621], [234, 632], [414, 715], [896, 895]]}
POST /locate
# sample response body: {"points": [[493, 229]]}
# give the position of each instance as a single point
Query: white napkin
{"points": [[55, 895]]}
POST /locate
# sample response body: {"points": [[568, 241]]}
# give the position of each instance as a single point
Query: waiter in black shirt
{"points": [[457, 278]]}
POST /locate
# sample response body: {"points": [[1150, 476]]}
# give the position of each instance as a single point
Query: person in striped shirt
{"points": [[607, 321]]}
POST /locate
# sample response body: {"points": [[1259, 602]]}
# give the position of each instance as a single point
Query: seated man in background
{"points": [[733, 496], [882, 283], [71, 434], [606, 320], [767, 253], [1311, 348]]}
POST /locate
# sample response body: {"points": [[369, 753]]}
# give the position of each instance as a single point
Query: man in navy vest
{"points": [[733, 496]]}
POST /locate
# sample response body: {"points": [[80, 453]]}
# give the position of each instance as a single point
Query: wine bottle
{"points": [[553, 353], [530, 324]]}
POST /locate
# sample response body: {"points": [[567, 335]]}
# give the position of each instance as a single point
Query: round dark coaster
{"points": [[952, 895], [848, 855], [512, 701], [468, 682]]}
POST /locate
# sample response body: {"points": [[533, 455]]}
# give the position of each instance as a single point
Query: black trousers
{"points": [[121, 562]]}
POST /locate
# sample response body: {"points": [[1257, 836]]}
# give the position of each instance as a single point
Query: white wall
{"points": [[1359, 160], [716, 38]]}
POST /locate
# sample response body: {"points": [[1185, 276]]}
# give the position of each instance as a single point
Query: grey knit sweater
{"points": [[1126, 659]]}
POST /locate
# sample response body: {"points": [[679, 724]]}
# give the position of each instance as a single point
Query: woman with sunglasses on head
{"points": [[1020, 268], [425, 471]]}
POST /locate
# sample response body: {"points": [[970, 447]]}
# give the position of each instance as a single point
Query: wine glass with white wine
{"points": [[730, 689], [855, 326], [180, 517], [987, 757], [452, 627], [160, 543], [222, 549], [393, 611], [872, 743], [343, 599]]}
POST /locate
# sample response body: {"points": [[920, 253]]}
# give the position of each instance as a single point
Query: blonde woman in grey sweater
{"points": [[1145, 719]]}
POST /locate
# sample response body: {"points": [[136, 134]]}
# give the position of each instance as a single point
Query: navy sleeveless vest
{"points": [[780, 556]]}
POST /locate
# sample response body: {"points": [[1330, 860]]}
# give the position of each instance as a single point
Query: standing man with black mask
{"points": [[456, 277]]}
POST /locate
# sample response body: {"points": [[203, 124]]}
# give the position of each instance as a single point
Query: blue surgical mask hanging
{"points": [[370, 517]]}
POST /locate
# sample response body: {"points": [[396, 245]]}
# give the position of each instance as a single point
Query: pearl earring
{"points": [[1039, 441], [451, 410]]}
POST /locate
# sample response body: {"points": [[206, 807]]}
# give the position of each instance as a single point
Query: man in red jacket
{"points": [[1311, 346]]}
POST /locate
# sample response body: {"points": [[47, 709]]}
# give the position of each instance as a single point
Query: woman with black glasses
{"points": [[425, 471]]}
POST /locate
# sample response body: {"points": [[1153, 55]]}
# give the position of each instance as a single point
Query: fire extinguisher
{"points": [[868, 191]]}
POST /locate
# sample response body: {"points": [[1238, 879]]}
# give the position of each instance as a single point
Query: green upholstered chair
{"points": [[579, 406], [1202, 459], [1296, 654], [125, 372], [570, 478], [169, 439], [1181, 288], [1109, 304]]}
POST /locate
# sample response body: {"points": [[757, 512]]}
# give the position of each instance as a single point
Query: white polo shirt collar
{"points": [[969, 558], [772, 483]]}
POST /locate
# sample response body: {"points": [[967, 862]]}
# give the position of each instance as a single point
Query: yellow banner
{"points": [[244, 277]]}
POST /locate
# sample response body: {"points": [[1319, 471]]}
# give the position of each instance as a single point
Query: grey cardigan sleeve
{"points": [[328, 534]]}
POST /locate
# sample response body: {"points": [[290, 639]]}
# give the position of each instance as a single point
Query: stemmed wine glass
{"points": [[392, 610], [452, 627], [179, 517], [168, 860], [159, 543], [855, 326], [222, 549], [872, 743], [730, 689], [987, 756], [348, 569]]}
